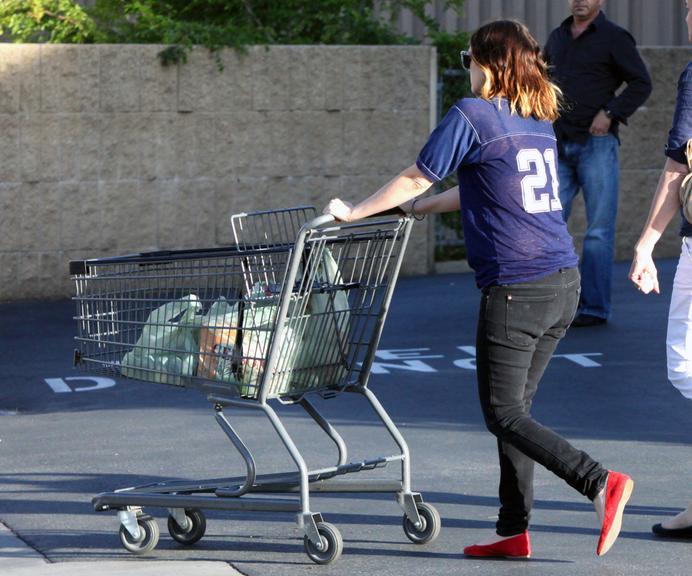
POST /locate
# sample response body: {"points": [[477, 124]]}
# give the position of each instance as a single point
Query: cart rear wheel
{"points": [[197, 526], [148, 537], [429, 528], [332, 544]]}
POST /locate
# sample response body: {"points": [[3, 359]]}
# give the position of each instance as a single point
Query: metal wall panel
{"points": [[651, 22]]}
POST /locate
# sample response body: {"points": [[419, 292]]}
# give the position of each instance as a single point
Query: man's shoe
{"points": [[618, 490], [518, 546], [659, 530], [587, 320]]}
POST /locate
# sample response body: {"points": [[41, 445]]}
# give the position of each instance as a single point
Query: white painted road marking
{"points": [[60, 385], [410, 359]]}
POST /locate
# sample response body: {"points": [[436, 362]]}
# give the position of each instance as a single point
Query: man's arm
{"points": [[547, 50], [631, 70]]}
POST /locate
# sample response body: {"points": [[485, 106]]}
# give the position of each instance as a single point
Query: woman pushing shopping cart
{"points": [[503, 149]]}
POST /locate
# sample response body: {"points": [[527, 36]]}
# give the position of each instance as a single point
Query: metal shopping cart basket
{"points": [[295, 307]]}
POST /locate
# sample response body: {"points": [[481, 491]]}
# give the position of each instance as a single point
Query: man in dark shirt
{"points": [[590, 58]]}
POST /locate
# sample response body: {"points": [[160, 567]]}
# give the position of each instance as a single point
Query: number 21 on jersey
{"points": [[533, 161]]}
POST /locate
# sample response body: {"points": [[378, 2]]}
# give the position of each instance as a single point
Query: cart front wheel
{"points": [[148, 537], [429, 528], [332, 544], [197, 526]]}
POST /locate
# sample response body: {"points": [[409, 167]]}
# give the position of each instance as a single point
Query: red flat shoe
{"points": [[518, 546], [617, 492]]}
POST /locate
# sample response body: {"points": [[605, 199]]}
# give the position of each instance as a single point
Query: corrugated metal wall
{"points": [[652, 22]]}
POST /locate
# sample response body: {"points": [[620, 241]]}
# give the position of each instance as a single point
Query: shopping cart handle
{"points": [[320, 221], [329, 218]]}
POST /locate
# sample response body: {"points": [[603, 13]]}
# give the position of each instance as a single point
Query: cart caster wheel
{"points": [[332, 544], [148, 537], [196, 528], [430, 525]]}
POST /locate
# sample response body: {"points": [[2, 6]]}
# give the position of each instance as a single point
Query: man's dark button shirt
{"points": [[589, 69]]}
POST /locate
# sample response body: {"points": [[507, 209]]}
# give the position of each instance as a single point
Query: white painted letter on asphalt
{"points": [[405, 354], [60, 385], [412, 365], [582, 360], [467, 363], [408, 358]]}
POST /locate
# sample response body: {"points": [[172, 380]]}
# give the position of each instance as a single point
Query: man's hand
{"points": [[600, 124]]}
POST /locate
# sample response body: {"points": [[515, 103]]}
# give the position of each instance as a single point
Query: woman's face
{"points": [[688, 20], [477, 77]]}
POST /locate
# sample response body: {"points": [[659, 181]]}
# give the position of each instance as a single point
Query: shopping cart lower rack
{"points": [[295, 307]]}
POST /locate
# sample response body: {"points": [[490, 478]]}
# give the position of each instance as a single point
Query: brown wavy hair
{"points": [[511, 61]]}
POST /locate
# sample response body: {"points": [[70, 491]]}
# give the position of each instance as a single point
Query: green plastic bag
{"points": [[312, 350], [322, 356], [259, 323], [168, 346]]}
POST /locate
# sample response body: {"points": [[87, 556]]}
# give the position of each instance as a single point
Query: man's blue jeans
{"points": [[594, 168]]}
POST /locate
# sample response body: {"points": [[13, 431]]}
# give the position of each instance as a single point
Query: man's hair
{"points": [[511, 61]]}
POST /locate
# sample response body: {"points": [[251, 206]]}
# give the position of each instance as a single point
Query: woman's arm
{"points": [[664, 206], [407, 185], [447, 201]]}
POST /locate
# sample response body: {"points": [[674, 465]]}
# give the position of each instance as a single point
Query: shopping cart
{"points": [[295, 307]]}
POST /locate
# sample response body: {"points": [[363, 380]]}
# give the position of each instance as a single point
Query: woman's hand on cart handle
{"points": [[339, 209]]}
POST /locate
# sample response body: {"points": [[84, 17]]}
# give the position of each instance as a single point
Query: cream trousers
{"points": [[679, 338]]}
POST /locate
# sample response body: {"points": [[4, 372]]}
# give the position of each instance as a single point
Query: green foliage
{"points": [[45, 21], [180, 24]]}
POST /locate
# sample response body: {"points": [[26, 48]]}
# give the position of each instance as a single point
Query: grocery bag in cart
{"points": [[218, 339], [313, 342], [167, 348]]}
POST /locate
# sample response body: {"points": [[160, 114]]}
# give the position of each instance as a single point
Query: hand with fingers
{"points": [[340, 209], [643, 274], [600, 126]]}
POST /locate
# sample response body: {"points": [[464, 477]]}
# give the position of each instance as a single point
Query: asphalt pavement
{"points": [[65, 438]]}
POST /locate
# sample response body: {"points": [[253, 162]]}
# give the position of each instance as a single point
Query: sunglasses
{"points": [[465, 59]]}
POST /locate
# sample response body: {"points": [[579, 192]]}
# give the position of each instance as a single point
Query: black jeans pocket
{"points": [[525, 316]]}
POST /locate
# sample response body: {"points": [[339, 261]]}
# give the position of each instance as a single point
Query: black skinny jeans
{"points": [[519, 327]]}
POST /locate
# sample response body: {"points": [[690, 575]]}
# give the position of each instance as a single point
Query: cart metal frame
{"points": [[261, 236]]}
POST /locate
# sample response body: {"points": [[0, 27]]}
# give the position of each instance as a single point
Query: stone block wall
{"points": [[641, 157], [103, 151]]}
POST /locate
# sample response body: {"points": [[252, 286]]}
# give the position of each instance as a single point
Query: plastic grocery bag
{"points": [[168, 346], [260, 308], [322, 356], [312, 348], [218, 335]]}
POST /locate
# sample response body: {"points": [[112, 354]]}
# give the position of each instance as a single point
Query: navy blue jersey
{"points": [[510, 205]]}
